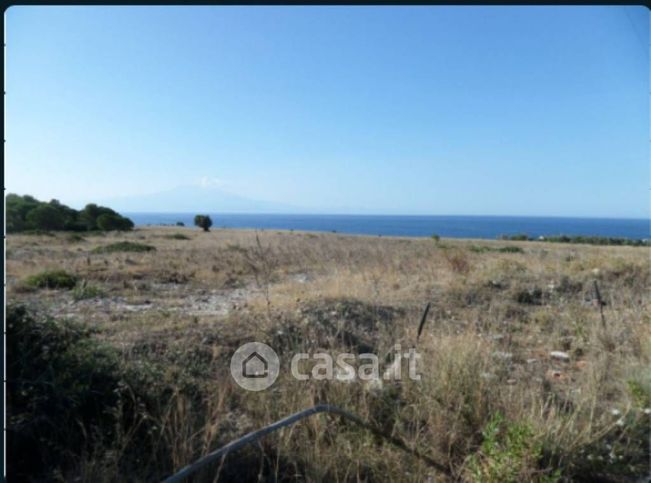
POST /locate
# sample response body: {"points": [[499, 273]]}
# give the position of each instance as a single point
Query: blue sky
{"points": [[410, 110]]}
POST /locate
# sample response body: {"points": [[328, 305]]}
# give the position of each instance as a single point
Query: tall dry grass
{"points": [[492, 404]]}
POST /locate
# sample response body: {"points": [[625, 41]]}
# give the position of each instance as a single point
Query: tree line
{"points": [[590, 240], [26, 213]]}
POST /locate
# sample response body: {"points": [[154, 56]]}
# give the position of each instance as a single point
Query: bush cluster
{"points": [[26, 213], [52, 279], [124, 246], [588, 240], [70, 397]]}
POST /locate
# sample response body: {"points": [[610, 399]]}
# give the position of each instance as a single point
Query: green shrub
{"points": [[59, 385], [484, 249], [84, 291], [52, 279], [640, 391], [510, 250], [67, 396], [124, 246], [509, 453], [532, 296], [436, 238], [177, 236]]}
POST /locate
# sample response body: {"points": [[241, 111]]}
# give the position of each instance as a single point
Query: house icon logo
{"points": [[255, 366]]}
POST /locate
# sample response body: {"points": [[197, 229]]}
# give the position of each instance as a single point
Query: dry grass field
{"points": [[493, 403]]}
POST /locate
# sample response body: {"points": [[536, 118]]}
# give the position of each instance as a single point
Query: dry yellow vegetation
{"points": [[493, 404]]}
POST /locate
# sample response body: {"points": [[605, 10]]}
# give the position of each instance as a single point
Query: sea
{"points": [[486, 227]]}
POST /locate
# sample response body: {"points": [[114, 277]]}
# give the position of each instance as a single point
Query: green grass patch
{"points": [[124, 246], [84, 291], [52, 279], [508, 453]]}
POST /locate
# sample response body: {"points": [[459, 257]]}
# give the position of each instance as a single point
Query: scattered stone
{"points": [[560, 356], [503, 355]]}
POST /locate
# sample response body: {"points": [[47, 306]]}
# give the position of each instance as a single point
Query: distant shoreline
{"points": [[465, 227]]}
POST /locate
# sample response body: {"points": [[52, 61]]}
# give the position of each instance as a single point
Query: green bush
{"points": [[510, 250], [483, 249], [84, 291], [52, 279], [509, 453], [59, 386], [124, 246], [177, 236], [69, 396]]}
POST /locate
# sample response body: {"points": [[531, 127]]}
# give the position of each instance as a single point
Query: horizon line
{"points": [[599, 217]]}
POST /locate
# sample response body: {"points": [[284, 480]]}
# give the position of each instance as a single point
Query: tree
{"points": [[109, 221], [26, 212], [45, 217], [203, 221], [92, 212], [17, 208]]}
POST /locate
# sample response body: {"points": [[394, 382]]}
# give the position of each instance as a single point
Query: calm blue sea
{"points": [[489, 227]]}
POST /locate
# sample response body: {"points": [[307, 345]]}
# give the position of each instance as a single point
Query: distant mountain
{"points": [[208, 199]]}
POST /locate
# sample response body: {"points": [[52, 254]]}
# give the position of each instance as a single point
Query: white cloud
{"points": [[207, 181]]}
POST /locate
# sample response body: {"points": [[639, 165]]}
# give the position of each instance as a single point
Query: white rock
{"points": [[559, 355], [503, 355]]}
